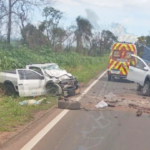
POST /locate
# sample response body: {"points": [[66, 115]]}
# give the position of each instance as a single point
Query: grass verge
{"points": [[13, 115], [85, 73]]}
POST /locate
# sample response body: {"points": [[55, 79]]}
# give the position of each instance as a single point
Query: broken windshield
{"points": [[51, 67]]}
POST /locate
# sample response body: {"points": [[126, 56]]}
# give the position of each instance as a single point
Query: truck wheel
{"points": [[52, 90], [109, 77], [70, 91], [146, 89], [139, 87], [9, 89]]}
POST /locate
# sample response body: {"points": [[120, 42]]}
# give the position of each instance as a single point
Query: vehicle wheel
{"points": [[109, 77], [52, 90], [9, 89], [146, 89], [139, 87]]}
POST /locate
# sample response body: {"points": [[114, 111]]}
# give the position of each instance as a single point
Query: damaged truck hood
{"points": [[57, 73]]}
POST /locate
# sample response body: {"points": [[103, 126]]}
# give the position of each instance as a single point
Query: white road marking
{"points": [[49, 126]]}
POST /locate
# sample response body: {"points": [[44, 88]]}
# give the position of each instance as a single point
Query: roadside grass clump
{"points": [[13, 115]]}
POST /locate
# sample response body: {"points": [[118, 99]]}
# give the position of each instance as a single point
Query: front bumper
{"points": [[116, 75]]}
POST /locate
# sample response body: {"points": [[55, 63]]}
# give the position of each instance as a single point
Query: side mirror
{"points": [[146, 68]]}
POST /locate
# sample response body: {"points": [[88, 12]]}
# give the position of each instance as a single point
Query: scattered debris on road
{"points": [[111, 105], [101, 104], [139, 112], [110, 95], [72, 105], [112, 100], [32, 102]]}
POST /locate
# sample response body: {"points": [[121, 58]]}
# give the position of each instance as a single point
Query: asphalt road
{"points": [[107, 129]]}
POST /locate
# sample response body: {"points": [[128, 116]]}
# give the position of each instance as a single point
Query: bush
{"points": [[12, 58]]}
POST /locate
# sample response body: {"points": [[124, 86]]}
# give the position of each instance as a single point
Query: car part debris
{"points": [[110, 95], [139, 112], [111, 105], [133, 105], [69, 91], [143, 109], [101, 104], [32, 102], [116, 101], [72, 105]]}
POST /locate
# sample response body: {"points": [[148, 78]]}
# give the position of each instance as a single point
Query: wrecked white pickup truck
{"points": [[53, 71], [29, 82]]}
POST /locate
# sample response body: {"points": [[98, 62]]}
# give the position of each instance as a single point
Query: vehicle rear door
{"points": [[138, 72], [30, 83]]}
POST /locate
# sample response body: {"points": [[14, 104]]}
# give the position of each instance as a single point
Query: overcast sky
{"points": [[133, 14]]}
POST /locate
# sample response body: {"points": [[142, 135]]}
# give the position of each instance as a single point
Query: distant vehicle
{"points": [[120, 58], [140, 74]]}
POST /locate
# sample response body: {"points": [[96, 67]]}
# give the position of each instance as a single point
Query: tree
{"points": [[17, 12], [101, 42], [59, 34], [108, 38], [33, 38], [50, 25], [84, 30]]}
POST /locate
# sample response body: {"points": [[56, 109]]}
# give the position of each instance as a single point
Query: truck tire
{"points": [[52, 89], [75, 105], [146, 89], [9, 89], [63, 104], [109, 77], [139, 87], [70, 91]]}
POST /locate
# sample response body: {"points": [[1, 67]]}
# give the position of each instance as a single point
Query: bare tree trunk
{"points": [[9, 23], [79, 44]]}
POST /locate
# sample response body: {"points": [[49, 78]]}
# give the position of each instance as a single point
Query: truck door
{"points": [[30, 83], [138, 72]]}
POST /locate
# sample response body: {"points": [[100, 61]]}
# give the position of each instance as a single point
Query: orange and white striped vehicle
{"points": [[120, 59]]}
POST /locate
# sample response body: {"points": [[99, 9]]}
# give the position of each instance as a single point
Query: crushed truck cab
{"points": [[120, 59]]}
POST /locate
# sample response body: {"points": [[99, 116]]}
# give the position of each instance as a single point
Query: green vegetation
{"points": [[83, 67], [12, 115], [71, 47]]}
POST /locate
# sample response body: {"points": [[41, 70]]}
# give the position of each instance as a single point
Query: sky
{"points": [[134, 15]]}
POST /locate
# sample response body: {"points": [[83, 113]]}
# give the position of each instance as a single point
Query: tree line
{"points": [[80, 37]]}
